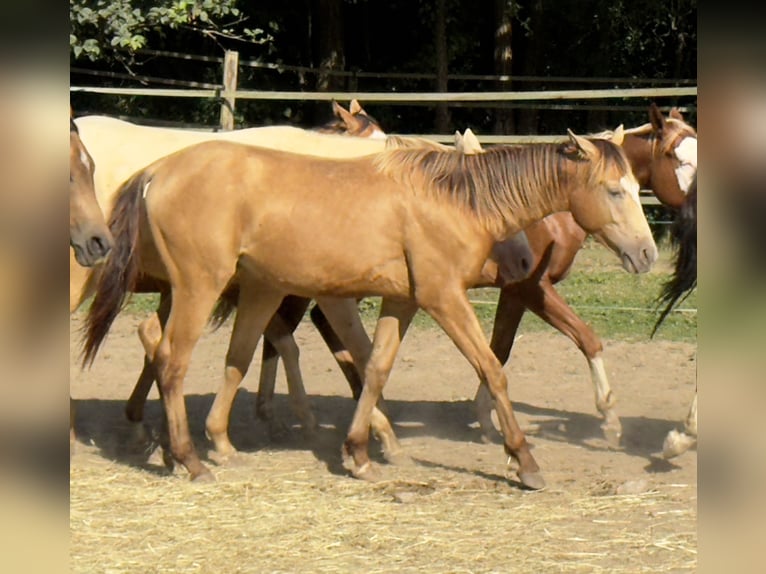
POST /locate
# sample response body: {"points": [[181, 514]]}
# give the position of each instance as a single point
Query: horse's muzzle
{"points": [[92, 251], [641, 259]]}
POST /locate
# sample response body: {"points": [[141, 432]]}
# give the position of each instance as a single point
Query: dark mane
{"points": [[684, 240]]}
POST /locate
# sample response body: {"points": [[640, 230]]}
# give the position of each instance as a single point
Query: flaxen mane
{"points": [[497, 184], [414, 142]]}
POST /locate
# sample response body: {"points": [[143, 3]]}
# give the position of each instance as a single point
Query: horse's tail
{"points": [[120, 271], [684, 239], [226, 305]]}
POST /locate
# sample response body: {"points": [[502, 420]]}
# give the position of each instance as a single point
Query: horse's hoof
{"points": [[676, 443], [612, 435], [204, 477], [532, 480], [224, 456], [367, 472], [399, 458]]}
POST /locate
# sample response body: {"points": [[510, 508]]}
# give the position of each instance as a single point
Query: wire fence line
{"points": [[358, 73]]}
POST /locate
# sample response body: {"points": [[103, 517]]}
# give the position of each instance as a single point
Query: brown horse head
{"points": [[89, 235], [663, 154], [609, 207], [353, 122]]}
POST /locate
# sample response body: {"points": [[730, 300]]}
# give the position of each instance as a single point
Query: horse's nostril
{"points": [[99, 246], [526, 265]]}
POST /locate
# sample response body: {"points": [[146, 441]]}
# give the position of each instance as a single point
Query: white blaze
{"points": [[686, 152], [377, 135], [629, 184]]}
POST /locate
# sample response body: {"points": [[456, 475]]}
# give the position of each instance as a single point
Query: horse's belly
{"points": [[346, 272]]}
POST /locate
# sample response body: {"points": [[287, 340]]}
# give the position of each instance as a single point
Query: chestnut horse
{"points": [[418, 233], [663, 157]]}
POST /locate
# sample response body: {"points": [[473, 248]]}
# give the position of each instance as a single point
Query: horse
{"points": [[137, 143], [89, 236], [662, 154], [663, 157], [418, 233], [681, 283]]}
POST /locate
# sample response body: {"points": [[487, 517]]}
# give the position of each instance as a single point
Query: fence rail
{"points": [[227, 93]]}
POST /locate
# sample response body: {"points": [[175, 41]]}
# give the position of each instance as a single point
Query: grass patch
{"points": [[616, 304]]}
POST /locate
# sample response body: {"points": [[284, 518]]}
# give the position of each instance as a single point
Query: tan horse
{"points": [[121, 148], [135, 143], [422, 224], [663, 154], [88, 234]]}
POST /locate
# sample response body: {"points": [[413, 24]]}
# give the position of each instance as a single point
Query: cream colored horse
{"points": [[418, 233]]}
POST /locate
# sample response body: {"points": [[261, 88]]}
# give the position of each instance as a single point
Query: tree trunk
{"points": [[529, 117], [329, 27], [504, 123], [442, 65]]}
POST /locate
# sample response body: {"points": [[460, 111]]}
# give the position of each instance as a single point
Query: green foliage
{"points": [[96, 24]]}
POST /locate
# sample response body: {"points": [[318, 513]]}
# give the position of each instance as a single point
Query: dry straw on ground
{"points": [[283, 512]]}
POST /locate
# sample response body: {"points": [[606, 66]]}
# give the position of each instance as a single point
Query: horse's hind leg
{"points": [[149, 333], [280, 335], [289, 315], [339, 351], [677, 443], [257, 304], [510, 310], [546, 302], [190, 309]]}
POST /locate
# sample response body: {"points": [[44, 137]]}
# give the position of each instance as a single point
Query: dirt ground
{"points": [[458, 509]]}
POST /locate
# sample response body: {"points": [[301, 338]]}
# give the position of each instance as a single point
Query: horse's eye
{"points": [[615, 191]]}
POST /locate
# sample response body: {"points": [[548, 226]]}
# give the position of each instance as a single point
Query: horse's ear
{"points": [[656, 118], [341, 112], [582, 145], [471, 144], [458, 141], [619, 135], [355, 107], [676, 114]]}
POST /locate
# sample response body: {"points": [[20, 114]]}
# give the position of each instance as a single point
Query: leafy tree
{"points": [[97, 24]]}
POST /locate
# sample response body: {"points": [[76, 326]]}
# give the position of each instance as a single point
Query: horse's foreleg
{"points": [[344, 328], [546, 302], [257, 304], [395, 317], [510, 310], [291, 312], [452, 310]]}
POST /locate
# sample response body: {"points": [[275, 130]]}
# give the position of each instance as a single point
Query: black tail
{"points": [[227, 303], [684, 239], [118, 275]]}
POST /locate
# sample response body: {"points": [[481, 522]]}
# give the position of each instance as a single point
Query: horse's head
{"points": [[89, 235], [354, 122], [609, 206], [663, 155]]}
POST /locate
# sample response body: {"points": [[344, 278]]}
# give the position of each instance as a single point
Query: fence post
{"points": [[230, 69]]}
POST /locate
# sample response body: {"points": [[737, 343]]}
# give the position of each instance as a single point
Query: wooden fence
{"points": [[228, 94]]}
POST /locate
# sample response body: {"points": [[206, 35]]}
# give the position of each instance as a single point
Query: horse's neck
{"points": [[638, 150]]}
